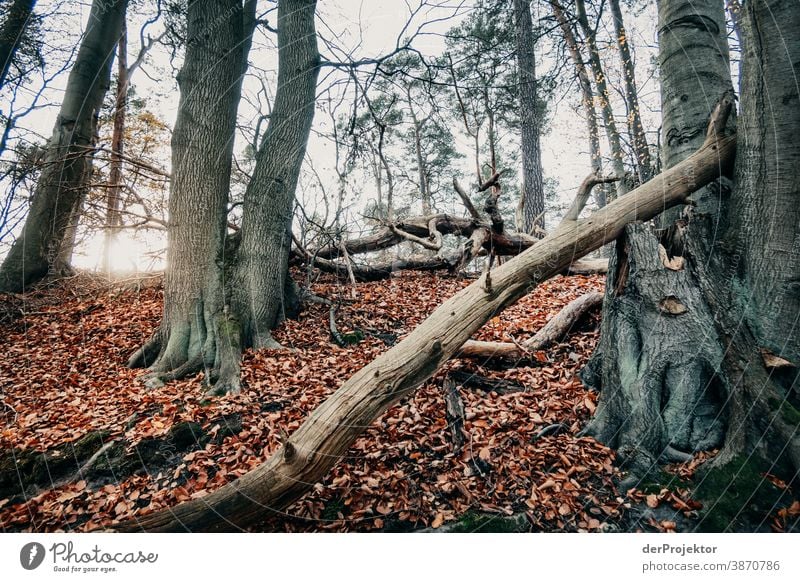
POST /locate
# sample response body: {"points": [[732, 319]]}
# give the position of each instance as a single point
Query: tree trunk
{"points": [[67, 165], [695, 71], [113, 218], [202, 146], [532, 197], [689, 347], [605, 98], [587, 95], [640, 147], [11, 31], [326, 435], [261, 271], [657, 360], [764, 213]]}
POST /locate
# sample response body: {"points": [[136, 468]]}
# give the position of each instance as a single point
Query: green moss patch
{"points": [[735, 496]]}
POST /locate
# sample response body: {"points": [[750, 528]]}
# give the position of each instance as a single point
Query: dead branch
{"points": [[584, 191], [466, 200], [552, 332]]}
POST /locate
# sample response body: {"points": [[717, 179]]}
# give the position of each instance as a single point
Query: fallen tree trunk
{"points": [[380, 271], [588, 267], [417, 229], [552, 332], [331, 429]]}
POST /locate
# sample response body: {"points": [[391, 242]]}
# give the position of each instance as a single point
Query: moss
{"points": [[332, 510], [735, 496], [230, 329], [85, 447], [658, 479], [472, 522], [185, 435], [353, 338], [790, 414], [22, 469]]}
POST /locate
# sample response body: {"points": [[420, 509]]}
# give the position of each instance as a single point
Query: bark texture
{"points": [[659, 353], [67, 165], [765, 206], [532, 196], [261, 269], [326, 435], [689, 338], [202, 145], [695, 71]]}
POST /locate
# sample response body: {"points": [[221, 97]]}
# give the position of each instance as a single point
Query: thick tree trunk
{"points": [[688, 344], [113, 218], [67, 164], [532, 196], [14, 23], [635, 126], [657, 359], [202, 145], [764, 213], [261, 269], [695, 71], [326, 435]]}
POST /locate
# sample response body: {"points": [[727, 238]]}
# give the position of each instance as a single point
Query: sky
{"points": [[363, 29]]}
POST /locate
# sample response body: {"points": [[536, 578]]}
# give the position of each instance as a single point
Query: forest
{"points": [[400, 266]]}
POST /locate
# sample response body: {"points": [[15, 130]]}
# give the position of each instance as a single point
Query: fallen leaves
{"points": [[65, 376]]}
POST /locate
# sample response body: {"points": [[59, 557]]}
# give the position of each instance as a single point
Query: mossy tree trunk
{"points": [[699, 342], [202, 146]]}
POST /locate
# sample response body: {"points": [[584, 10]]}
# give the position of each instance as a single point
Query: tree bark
{"points": [[658, 355], [262, 261], [67, 165], [11, 31], [326, 435], [764, 214], [202, 146], [687, 349], [635, 126], [532, 196], [695, 71], [113, 218]]}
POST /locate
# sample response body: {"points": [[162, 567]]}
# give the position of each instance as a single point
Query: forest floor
{"points": [[83, 444]]}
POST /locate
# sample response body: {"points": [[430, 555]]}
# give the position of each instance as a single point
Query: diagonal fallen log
{"points": [[551, 332], [331, 429]]}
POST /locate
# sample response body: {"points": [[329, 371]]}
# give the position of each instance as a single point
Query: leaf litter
{"points": [[63, 375]]}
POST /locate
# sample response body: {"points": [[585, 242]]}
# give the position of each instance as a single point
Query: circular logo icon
{"points": [[31, 555]]}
